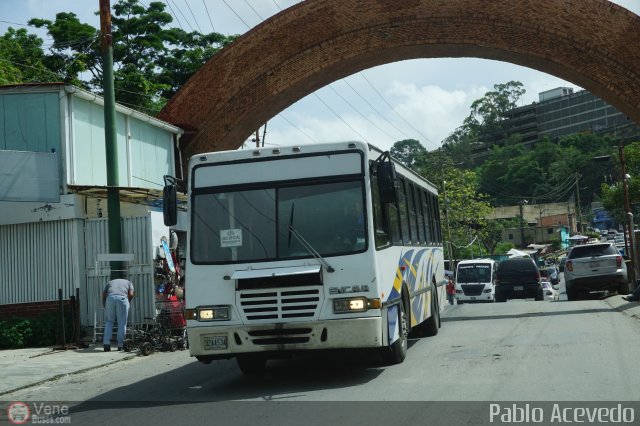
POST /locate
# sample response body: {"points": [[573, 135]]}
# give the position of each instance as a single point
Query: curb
{"points": [[631, 309]]}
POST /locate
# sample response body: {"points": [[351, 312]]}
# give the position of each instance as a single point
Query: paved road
{"points": [[514, 351]]}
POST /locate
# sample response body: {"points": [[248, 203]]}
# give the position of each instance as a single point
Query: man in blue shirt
{"points": [[115, 298]]}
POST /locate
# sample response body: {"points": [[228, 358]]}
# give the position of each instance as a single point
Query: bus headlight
{"points": [[208, 313], [355, 304]]}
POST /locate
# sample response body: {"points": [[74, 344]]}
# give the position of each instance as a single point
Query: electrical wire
{"points": [[194, 16], [394, 111], [208, 15], [359, 112], [180, 10], [236, 13], [340, 118], [254, 11], [297, 128], [174, 15], [377, 111]]}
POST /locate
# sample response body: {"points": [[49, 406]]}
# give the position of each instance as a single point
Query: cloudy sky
{"points": [[424, 99]]}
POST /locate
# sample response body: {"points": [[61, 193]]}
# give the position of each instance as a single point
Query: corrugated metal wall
{"points": [[36, 259], [137, 240]]}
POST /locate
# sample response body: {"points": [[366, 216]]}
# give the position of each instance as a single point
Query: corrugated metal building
{"points": [[53, 196]]}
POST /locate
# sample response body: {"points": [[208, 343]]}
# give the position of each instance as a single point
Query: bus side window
{"points": [[428, 217], [380, 219], [404, 211]]}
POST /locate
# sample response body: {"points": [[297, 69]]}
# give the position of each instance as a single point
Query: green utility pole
{"points": [[113, 194]]}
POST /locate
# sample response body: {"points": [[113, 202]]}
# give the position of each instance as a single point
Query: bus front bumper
{"points": [[218, 342]]}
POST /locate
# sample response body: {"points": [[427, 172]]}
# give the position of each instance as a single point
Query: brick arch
{"points": [[592, 43]]}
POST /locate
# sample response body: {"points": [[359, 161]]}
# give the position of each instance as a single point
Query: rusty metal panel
{"points": [[38, 258]]}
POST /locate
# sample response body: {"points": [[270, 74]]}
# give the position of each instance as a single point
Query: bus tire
{"points": [[432, 324], [397, 351], [251, 363]]}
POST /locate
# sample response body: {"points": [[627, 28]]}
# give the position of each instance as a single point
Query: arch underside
{"points": [[234, 99]]}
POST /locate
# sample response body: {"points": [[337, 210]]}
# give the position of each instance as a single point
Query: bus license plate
{"points": [[518, 288], [473, 298], [214, 342]]}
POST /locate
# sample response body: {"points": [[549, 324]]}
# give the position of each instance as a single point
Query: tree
{"points": [[409, 152], [151, 59], [613, 194], [488, 112], [485, 123], [464, 209], [22, 58]]}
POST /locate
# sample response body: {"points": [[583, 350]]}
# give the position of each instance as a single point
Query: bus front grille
{"points": [[472, 289], [280, 336], [274, 304]]}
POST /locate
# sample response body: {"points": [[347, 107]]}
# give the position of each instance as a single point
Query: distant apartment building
{"points": [[561, 112], [541, 223]]}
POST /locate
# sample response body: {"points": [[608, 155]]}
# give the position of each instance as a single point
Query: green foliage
{"points": [[485, 123], [40, 331], [14, 333], [503, 248], [464, 210], [409, 152], [22, 58], [151, 59], [488, 112], [555, 244], [613, 194]]}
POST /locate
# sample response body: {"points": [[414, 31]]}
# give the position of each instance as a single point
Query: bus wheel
{"points": [[432, 324], [397, 351], [251, 363]]}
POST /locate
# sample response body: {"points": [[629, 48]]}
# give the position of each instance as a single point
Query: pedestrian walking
{"points": [[451, 291], [115, 298]]}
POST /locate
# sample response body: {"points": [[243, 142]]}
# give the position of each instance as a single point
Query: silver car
{"points": [[595, 268]]}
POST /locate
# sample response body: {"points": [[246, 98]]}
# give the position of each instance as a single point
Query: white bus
{"points": [[311, 247], [476, 280]]}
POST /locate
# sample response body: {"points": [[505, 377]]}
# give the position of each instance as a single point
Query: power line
{"points": [[208, 15], [393, 109], [297, 128], [339, 117], [236, 13], [254, 11], [194, 16], [376, 110], [361, 114], [174, 14], [180, 10]]}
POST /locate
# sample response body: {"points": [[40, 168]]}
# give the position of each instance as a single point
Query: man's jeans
{"points": [[116, 308]]}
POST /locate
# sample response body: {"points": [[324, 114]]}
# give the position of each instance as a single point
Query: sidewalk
{"points": [[22, 368]]}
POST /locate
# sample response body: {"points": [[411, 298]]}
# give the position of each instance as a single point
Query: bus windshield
{"points": [[254, 224], [474, 273]]}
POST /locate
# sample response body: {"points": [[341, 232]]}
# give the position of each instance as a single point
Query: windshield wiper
{"points": [[308, 246], [290, 225]]}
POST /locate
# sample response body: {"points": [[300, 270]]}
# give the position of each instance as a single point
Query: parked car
{"points": [[595, 268], [553, 275], [549, 291], [518, 278], [563, 261], [544, 275]]}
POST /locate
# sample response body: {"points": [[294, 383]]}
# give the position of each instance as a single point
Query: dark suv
{"points": [[518, 278]]}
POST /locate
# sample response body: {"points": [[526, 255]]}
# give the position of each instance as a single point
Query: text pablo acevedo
{"points": [[556, 413]]}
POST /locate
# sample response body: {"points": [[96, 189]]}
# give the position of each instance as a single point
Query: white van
{"points": [[475, 280]]}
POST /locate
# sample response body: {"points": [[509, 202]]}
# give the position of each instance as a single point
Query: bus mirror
{"points": [[386, 173], [170, 205]]}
